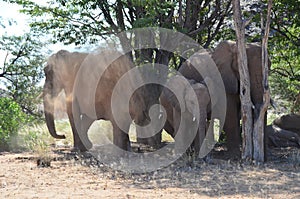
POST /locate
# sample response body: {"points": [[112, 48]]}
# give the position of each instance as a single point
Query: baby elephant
{"points": [[187, 104]]}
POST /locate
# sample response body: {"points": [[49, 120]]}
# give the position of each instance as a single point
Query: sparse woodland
{"points": [[269, 162]]}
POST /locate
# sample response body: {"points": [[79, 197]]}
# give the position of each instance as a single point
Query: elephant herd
{"points": [[89, 90]]}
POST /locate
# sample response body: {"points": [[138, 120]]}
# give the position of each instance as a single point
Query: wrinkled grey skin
{"points": [[175, 110], [225, 57], [289, 122], [278, 137], [61, 71]]}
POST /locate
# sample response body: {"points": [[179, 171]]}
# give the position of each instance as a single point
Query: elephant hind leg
{"points": [[81, 141], [121, 138], [232, 124], [84, 142]]}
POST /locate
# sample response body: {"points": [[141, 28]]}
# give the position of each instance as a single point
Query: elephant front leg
{"points": [[232, 124], [121, 138], [79, 124], [185, 131], [200, 136], [83, 140], [153, 141]]}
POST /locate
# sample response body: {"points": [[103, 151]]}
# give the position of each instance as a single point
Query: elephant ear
{"points": [[190, 94], [200, 91], [176, 92], [226, 60], [56, 71], [49, 71]]}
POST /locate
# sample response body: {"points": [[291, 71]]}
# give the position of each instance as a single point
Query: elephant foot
{"points": [[154, 141], [233, 154], [81, 147], [76, 149]]}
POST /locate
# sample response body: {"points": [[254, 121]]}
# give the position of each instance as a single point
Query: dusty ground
{"points": [[72, 176]]}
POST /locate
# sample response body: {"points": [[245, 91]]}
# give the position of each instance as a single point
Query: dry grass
{"points": [[72, 175]]}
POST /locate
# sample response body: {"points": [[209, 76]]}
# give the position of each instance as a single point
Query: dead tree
{"points": [[252, 127], [246, 104], [259, 122]]}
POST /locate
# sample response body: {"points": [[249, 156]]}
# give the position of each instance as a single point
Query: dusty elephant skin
{"points": [[278, 137], [225, 57], [289, 122], [175, 111], [61, 73]]}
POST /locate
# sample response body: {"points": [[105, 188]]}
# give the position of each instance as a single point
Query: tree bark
{"points": [[259, 123], [246, 104]]}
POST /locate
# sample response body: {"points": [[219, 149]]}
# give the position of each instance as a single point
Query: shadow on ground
{"points": [[214, 178]]}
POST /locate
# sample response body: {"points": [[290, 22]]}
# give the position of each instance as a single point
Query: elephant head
{"points": [[182, 96], [60, 72], [225, 57]]}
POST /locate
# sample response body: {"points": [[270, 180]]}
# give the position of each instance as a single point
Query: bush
{"points": [[11, 120]]}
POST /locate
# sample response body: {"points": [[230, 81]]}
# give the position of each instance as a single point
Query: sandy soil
{"points": [[73, 176]]}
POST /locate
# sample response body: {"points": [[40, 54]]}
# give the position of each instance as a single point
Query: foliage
{"points": [[36, 138], [83, 22], [285, 49], [11, 120], [22, 70]]}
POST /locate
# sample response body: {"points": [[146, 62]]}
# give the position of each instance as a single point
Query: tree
{"points": [[252, 124], [260, 119], [21, 71], [87, 22], [285, 48], [246, 104], [83, 22]]}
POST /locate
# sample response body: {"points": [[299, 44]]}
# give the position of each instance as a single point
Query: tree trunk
{"points": [[246, 104], [259, 123], [252, 128]]}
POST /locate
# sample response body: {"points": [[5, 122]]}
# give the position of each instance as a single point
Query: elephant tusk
{"points": [[41, 95], [194, 118], [160, 116]]}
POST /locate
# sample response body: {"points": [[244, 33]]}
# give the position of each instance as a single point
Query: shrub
{"points": [[11, 120]]}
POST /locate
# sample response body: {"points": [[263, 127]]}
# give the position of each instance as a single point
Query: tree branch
{"points": [[105, 9], [4, 65]]}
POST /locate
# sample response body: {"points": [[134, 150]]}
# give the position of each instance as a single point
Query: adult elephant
{"points": [[278, 137], [76, 74], [225, 57], [289, 122], [60, 71], [187, 104]]}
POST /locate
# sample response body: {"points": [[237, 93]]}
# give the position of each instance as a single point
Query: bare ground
{"points": [[73, 176]]}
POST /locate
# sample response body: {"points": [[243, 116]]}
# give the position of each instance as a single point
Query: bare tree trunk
{"points": [[259, 123], [246, 104]]}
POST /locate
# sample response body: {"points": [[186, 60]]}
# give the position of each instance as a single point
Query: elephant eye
{"points": [[46, 68]]}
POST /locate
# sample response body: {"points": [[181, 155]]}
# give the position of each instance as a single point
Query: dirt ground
{"points": [[73, 176]]}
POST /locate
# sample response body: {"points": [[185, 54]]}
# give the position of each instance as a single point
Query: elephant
{"points": [[225, 58], [60, 72], [278, 137], [289, 122], [76, 74], [175, 110]]}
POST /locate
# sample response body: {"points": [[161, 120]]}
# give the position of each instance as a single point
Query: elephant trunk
{"points": [[49, 115]]}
